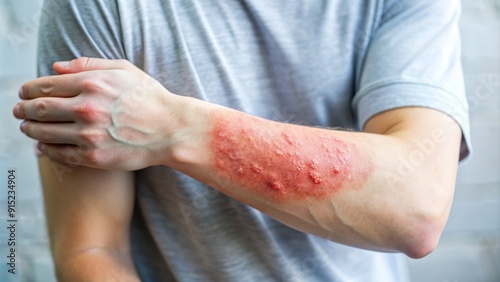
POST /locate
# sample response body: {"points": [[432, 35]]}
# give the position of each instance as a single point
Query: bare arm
{"points": [[88, 214], [388, 188]]}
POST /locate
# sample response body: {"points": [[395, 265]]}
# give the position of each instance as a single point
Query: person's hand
{"points": [[99, 113]]}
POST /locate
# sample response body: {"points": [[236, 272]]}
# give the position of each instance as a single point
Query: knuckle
{"points": [[93, 157], [89, 84], [88, 113], [40, 108], [46, 88]]}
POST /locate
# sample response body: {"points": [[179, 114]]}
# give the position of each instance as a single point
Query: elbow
{"points": [[421, 222], [421, 247], [421, 235]]}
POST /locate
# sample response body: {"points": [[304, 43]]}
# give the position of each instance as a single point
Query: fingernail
{"points": [[21, 94], [16, 110], [23, 126], [63, 64]]}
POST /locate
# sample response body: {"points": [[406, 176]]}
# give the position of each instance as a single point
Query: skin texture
{"points": [[296, 166]]}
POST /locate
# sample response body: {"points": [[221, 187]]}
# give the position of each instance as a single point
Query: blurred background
{"points": [[469, 249]]}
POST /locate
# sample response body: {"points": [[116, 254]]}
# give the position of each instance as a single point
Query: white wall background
{"points": [[470, 246]]}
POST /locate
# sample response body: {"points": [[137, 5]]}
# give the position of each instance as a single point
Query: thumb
{"points": [[89, 64]]}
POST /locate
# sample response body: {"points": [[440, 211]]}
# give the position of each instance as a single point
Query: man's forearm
{"points": [[282, 162], [343, 186]]}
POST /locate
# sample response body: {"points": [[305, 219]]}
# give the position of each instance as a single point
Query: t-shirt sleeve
{"points": [[414, 60], [71, 29]]}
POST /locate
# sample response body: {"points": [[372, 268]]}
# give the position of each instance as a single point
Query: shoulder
{"points": [[70, 29], [83, 12]]}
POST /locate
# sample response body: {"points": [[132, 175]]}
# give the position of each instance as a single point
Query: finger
{"points": [[89, 64], [51, 133], [52, 86], [46, 109], [67, 154]]}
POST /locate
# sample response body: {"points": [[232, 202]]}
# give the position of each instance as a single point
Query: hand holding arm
{"points": [[94, 106]]}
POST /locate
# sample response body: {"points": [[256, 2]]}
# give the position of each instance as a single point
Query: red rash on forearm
{"points": [[284, 162]]}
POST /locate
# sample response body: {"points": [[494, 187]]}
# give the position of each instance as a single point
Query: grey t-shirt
{"points": [[318, 63]]}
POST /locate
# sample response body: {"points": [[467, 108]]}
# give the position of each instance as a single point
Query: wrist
{"points": [[189, 138]]}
